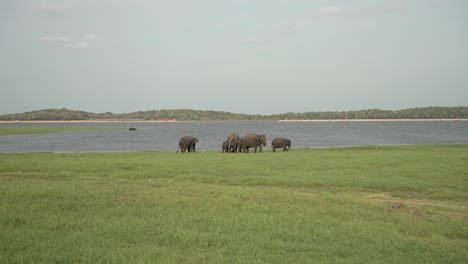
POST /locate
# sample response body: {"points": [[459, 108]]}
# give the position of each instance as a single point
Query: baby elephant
{"points": [[281, 143], [225, 146]]}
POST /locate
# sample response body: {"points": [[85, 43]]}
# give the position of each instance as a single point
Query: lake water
{"points": [[165, 135]]}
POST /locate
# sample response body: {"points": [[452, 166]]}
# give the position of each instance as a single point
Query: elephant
{"points": [[254, 140], [240, 146], [233, 142], [281, 143], [187, 143], [225, 146]]}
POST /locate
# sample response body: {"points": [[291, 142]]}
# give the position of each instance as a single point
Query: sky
{"points": [[242, 56]]}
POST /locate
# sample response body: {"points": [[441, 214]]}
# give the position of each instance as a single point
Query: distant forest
{"points": [[459, 112]]}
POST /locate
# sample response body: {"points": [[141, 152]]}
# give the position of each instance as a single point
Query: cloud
{"points": [[390, 7], [56, 38], [78, 45], [287, 28], [88, 40], [110, 2], [56, 7], [330, 11], [63, 6], [90, 37], [385, 7], [327, 11]]}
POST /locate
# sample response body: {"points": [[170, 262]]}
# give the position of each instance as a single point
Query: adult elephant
{"points": [[281, 143], [240, 146], [233, 142], [187, 143], [254, 141], [225, 146]]}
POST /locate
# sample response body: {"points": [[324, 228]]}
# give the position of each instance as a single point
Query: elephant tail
{"points": [[178, 148]]}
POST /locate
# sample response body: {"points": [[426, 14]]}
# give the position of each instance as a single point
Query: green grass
{"points": [[405, 204], [41, 130]]}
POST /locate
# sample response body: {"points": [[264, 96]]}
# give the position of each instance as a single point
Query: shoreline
{"points": [[373, 120], [177, 121]]}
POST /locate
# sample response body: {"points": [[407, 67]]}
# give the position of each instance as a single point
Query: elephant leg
{"points": [[274, 149]]}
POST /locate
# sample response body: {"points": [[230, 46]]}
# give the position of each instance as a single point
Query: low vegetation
{"points": [[460, 112], [404, 204]]}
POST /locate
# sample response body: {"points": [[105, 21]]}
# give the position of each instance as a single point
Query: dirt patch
{"points": [[414, 211], [397, 205], [420, 206]]}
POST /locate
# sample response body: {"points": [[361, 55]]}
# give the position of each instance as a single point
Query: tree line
{"points": [[63, 114]]}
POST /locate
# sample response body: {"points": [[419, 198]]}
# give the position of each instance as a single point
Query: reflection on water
{"points": [[211, 134]]}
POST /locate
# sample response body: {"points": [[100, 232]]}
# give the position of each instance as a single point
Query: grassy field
{"points": [[404, 204], [41, 130]]}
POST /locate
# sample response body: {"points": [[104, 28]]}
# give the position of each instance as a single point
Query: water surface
{"points": [[150, 136]]}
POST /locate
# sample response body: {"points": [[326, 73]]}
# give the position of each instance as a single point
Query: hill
{"points": [[459, 112]]}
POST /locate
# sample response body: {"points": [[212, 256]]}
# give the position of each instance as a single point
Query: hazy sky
{"points": [[244, 56]]}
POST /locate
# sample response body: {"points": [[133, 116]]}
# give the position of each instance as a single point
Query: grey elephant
{"points": [[233, 142], [254, 141], [281, 143], [187, 143], [225, 146], [240, 146]]}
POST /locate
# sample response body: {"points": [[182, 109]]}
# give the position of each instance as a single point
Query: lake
{"points": [[164, 136]]}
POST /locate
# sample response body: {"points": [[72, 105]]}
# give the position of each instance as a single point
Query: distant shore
{"points": [[90, 121], [172, 120], [371, 120]]}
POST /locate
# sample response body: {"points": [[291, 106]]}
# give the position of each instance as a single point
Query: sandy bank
{"points": [[369, 120]]}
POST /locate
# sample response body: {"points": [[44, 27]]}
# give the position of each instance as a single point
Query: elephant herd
{"points": [[235, 143]]}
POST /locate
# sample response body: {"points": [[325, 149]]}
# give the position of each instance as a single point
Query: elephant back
{"points": [[259, 138], [233, 136]]}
